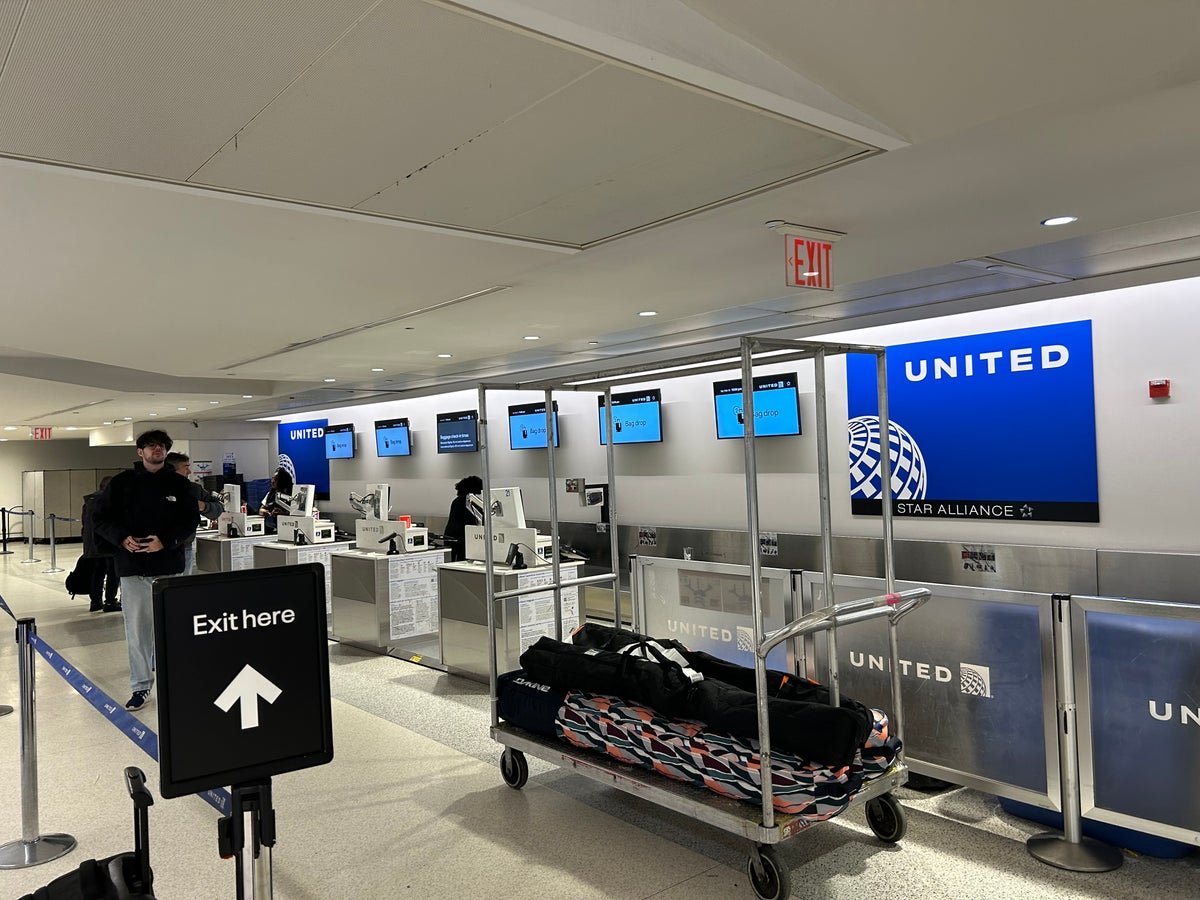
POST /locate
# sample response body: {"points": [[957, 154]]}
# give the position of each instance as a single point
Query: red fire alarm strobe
{"points": [[1160, 388]]}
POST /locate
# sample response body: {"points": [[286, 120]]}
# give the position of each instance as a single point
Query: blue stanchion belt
{"points": [[129, 725]]}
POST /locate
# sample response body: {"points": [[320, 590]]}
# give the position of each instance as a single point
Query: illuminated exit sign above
{"points": [[41, 433], [808, 254]]}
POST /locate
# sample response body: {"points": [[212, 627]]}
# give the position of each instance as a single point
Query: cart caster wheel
{"points": [[513, 768], [886, 817], [774, 881]]}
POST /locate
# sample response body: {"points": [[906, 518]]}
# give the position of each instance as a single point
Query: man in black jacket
{"points": [[148, 514]]}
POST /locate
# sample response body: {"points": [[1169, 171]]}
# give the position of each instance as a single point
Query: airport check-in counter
{"points": [[520, 621], [217, 553], [281, 553], [388, 604]]}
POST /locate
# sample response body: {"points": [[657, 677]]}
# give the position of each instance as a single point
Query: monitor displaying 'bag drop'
{"points": [[392, 438], [527, 425], [776, 406], [637, 417], [339, 442]]}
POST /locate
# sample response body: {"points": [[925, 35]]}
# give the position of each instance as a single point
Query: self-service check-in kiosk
{"points": [[305, 530], [233, 522]]}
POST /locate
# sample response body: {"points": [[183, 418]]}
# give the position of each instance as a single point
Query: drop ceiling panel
{"points": [[153, 88], [614, 150], [409, 84], [95, 250]]}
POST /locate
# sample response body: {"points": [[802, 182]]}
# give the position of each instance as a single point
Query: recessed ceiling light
{"points": [[1060, 220], [152, 414], [3, 440], [594, 343], [377, 370], [247, 396], [10, 427], [72, 428], [213, 402], [330, 380], [444, 356], [647, 313], [181, 408], [533, 337], [127, 419], [106, 423]]}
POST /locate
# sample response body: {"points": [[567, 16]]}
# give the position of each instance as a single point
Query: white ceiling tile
{"points": [[154, 88], [407, 86]]}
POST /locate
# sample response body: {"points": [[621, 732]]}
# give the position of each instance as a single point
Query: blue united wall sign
{"points": [[302, 453], [988, 426]]}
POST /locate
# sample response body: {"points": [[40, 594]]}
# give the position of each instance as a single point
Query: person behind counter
{"points": [[460, 517], [281, 483]]}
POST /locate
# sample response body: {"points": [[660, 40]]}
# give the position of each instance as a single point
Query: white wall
{"points": [[21, 456], [1149, 486]]}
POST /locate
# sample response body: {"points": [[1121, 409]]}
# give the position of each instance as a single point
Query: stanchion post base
{"points": [[1089, 855], [21, 854], [26, 562], [53, 570], [5, 710], [7, 552]]}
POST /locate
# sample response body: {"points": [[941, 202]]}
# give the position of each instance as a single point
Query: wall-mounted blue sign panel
{"points": [[988, 426]]}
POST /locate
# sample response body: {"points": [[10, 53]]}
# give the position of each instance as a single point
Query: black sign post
{"points": [[243, 679]]}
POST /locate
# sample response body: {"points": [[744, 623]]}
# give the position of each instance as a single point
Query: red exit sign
{"points": [[809, 262], [41, 433]]}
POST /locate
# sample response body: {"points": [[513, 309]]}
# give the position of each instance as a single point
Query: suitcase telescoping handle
{"points": [[135, 783]]}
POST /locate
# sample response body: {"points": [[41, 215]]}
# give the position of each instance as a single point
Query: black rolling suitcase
{"points": [[126, 876]]}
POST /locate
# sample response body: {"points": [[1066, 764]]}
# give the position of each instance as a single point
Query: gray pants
{"points": [[137, 599]]}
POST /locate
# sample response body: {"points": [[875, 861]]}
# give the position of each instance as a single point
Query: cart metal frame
{"points": [[764, 826]]}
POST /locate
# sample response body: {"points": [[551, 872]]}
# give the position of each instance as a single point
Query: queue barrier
{"points": [[33, 847]]}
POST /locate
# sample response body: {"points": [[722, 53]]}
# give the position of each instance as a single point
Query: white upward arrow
{"points": [[248, 686]]}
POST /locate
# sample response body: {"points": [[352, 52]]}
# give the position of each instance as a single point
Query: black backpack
{"points": [[79, 579]]}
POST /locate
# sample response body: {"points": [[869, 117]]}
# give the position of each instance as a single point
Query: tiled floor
{"points": [[413, 804]]}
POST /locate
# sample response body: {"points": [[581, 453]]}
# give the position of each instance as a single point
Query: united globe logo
{"points": [[908, 463]]}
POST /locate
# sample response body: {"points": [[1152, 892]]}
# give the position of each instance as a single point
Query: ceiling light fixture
{"points": [[3, 440], [181, 408], [377, 370], [533, 337], [1059, 220], [646, 313], [10, 427], [213, 402], [444, 356], [106, 423], [247, 396], [152, 414], [330, 380], [72, 428], [127, 419]]}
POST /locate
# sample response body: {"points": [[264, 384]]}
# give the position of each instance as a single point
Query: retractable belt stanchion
{"points": [[248, 834], [4, 551], [1071, 850], [28, 534], [33, 848], [54, 567]]}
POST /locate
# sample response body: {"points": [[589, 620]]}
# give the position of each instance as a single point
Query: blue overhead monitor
{"points": [[776, 406], [392, 438], [458, 432], [339, 442], [527, 425], [637, 417]]}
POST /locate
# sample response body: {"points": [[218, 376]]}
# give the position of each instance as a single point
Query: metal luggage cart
{"points": [[763, 826]]}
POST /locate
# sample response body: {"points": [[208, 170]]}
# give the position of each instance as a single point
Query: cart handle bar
{"points": [[892, 605], [542, 588]]}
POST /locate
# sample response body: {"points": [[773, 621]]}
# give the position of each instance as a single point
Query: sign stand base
{"points": [[248, 834]]}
